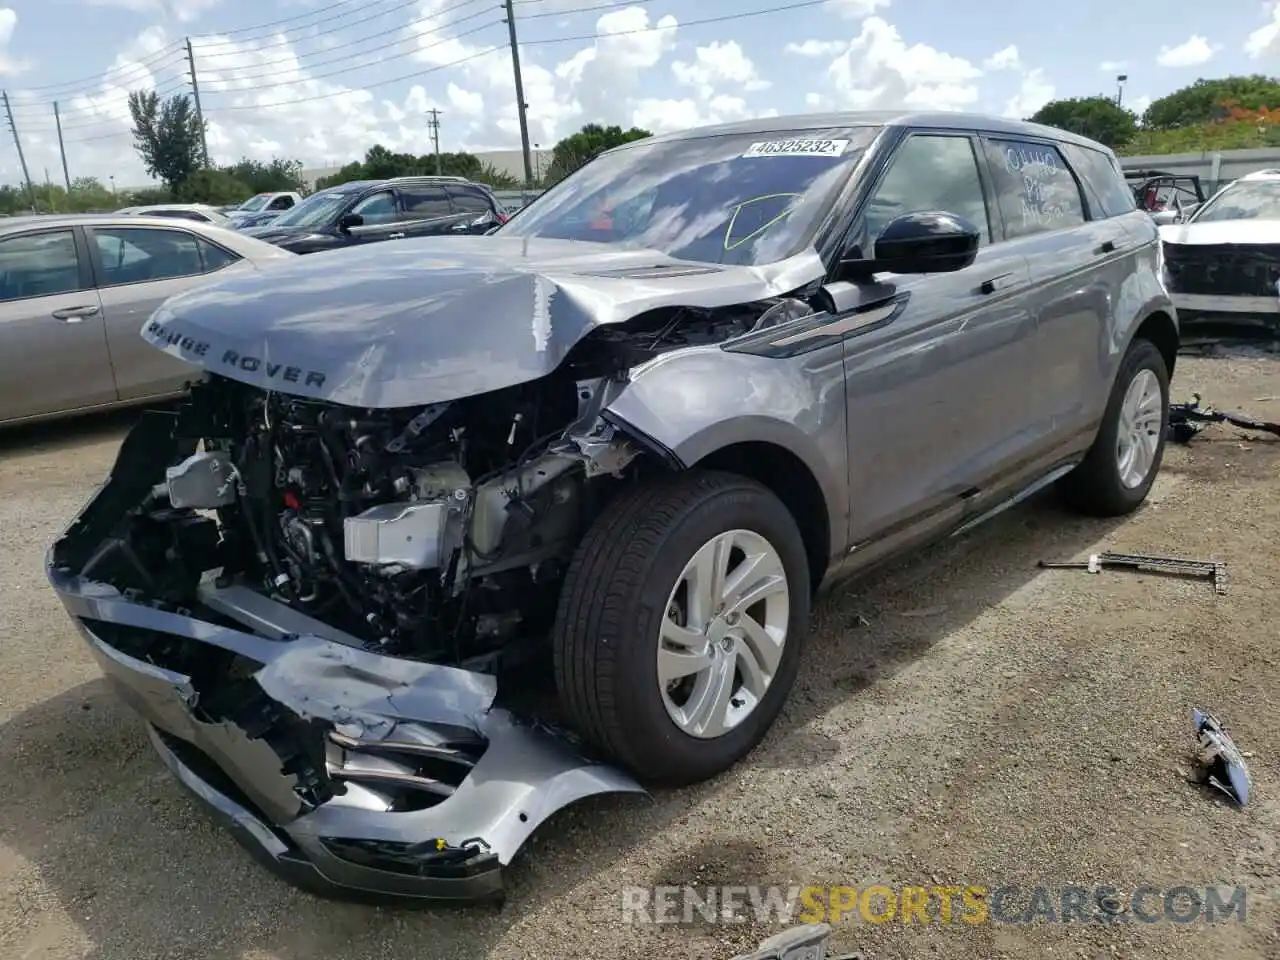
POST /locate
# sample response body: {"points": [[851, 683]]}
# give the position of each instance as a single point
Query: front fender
{"points": [[697, 401]]}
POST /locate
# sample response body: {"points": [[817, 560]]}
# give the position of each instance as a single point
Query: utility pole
{"points": [[434, 124], [1120, 81], [521, 106], [17, 142], [62, 149], [195, 89]]}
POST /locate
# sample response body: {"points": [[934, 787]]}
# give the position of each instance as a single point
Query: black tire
{"points": [[1095, 487], [605, 639]]}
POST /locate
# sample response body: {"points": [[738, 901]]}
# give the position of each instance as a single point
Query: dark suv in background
{"points": [[365, 211]]}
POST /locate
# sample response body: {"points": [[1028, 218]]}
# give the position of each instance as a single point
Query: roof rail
{"points": [[431, 176]]}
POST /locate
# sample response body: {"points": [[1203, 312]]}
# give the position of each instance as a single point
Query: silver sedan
{"points": [[75, 291]]}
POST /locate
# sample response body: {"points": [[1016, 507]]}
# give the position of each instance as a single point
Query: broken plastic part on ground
{"points": [[1223, 764], [1188, 419]]}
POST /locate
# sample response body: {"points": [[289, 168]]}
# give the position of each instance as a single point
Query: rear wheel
{"points": [[1117, 473], [679, 630]]}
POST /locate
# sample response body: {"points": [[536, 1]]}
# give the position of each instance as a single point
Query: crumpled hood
{"points": [[439, 318], [1222, 231]]}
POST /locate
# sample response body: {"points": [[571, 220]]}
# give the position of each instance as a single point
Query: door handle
{"points": [[76, 314], [997, 283], [1108, 246], [395, 236]]}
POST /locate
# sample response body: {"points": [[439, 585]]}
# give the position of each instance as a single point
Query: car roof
{"points": [[16, 224], [943, 120]]}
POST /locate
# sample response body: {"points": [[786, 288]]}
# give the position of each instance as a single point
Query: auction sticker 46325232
{"points": [[797, 148]]}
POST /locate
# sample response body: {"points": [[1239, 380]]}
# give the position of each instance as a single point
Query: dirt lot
{"points": [[963, 718]]}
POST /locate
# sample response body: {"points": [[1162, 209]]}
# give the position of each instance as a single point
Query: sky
{"points": [[321, 81]]}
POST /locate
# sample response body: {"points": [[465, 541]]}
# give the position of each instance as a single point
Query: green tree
{"points": [[1207, 100], [216, 187], [278, 175], [379, 163], [88, 195], [589, 142], [1098, 118], [167, 135]]}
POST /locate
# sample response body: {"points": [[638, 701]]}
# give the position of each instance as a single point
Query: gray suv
{"points": [[629, 436]]}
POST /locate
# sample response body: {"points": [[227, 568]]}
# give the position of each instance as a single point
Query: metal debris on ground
{"points": [[1188, 419], [1223, 764], [805, 942], [1214, 570]]}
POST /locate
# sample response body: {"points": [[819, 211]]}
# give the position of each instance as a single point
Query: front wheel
{"points": [[680, 625], [1119, 469]]}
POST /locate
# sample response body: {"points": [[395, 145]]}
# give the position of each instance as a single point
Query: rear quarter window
{"points": [[1104, 183]]}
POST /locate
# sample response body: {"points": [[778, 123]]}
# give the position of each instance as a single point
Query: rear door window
{"points": [[1109, 194], [425, 202], [144, 255], [1035, 188], [469, 201]]}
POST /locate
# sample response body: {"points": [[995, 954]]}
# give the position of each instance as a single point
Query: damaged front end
{"points": [[314, 607], [1224, 289]]}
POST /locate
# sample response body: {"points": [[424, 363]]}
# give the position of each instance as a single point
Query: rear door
{"points": [[1079, 265], [936, 393], [137, 269], [53, 349], [428, 210], [478, 208]]}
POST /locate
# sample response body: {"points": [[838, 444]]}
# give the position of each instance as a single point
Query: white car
{"points": [[1222, 265], [264, 203]]}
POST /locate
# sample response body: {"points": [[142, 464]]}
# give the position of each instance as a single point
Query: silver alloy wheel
{"points": [[723, 633], [1138, 437]]}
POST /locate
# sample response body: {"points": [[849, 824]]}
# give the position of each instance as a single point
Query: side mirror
{"points": [[350, 220], [927, 242]]}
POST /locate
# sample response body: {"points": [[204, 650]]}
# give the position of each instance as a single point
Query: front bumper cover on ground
{"points": [[298, 750]]}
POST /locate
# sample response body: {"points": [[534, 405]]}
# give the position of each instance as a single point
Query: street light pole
{"points": [[1120, 81]]}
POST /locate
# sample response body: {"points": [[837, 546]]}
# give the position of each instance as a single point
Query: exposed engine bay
{"points": [[438, 533]]}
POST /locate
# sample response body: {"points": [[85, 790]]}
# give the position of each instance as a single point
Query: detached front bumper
{"points": [[347, 772]]}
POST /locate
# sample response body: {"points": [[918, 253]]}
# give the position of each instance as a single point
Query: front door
{"points": [[936, 393], [381, 219], [53, 350]]}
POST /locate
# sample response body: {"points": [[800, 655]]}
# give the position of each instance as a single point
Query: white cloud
{"points": [[855, 9], [1191, 53], [1006, 59], [1266, 39], [718, 64], [877, 69], [1033, 93], [815, 48], [1139, 105], [8, 65], [183, 11]]}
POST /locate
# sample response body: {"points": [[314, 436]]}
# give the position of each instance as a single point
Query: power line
{"points": [[681, 25], [346, 56], [229, 36], [347, 70], [174, 49], [368, 86], [567, 13]]}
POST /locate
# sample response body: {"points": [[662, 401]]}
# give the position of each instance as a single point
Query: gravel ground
{"points": [[962, 718]]}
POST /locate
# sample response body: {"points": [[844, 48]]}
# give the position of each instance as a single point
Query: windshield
{"points": [[315, 211], [1254, 200], [733, 199], [254, 203]]}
